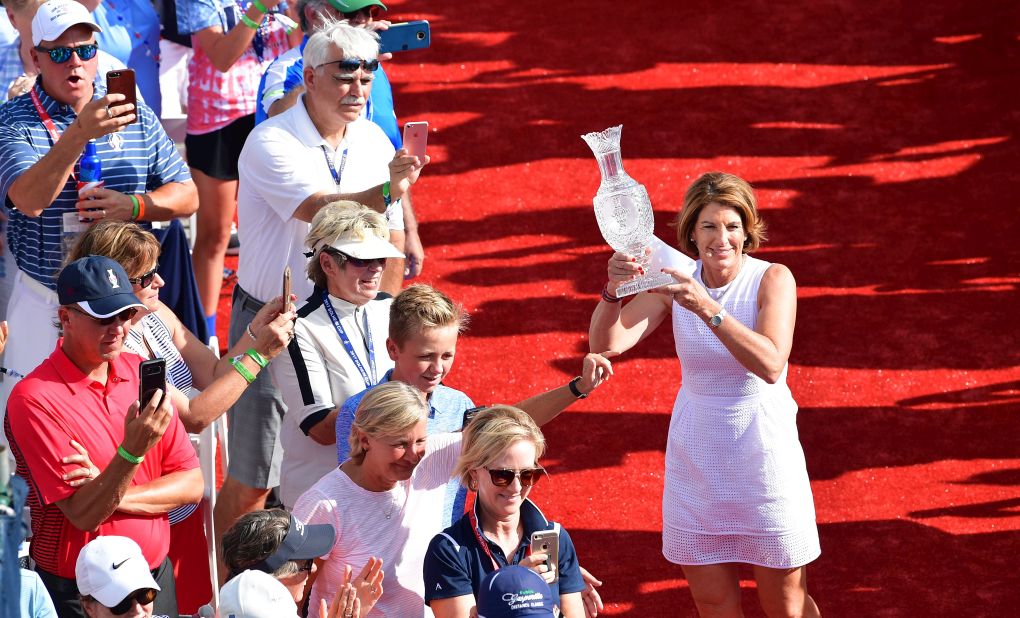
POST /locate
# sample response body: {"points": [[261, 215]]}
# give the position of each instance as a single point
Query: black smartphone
{"points": [[151, 377], [122, 82], [404, 37]]}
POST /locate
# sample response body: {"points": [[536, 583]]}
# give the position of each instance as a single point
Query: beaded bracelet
{"points": [[253, 354], [128, 456], [609, 298], [248, 21], [136, 208], [241, 369]]}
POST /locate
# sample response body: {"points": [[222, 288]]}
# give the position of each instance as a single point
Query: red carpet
{"points": [[881, 138]]}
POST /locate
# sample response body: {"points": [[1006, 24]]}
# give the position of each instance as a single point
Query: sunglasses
{"points": [[124, 316], [350, 65], [60, 55], [368, 11], [146, 279], [143, 596], [305, 566], [359, 262], [501, 477]]}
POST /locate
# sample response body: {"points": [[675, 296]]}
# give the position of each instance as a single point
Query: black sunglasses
{"points": [[146, 279], [368, 11], [350, 65], [143, 596], [305, 566], [358, 262], [60, 55], [501, 477], [124, 316]]}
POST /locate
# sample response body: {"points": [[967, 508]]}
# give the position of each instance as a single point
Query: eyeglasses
{"points": [[124, 316], [143, 596], [358, 262], [305, 566], [146, 279], [501, 477], [60, 55], [369, 12], [350, 65]]}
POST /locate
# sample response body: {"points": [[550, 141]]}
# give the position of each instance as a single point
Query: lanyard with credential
{"points": [[481, 540], [337, 173], [47, 122], [372, 380]]}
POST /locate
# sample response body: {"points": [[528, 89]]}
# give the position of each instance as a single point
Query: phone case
{"points": [[547, 542], [151, 377], [405, 37], [416, 138], [122, 81]]}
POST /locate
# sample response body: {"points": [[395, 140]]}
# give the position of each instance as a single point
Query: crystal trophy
{"points": [[623, 210]]}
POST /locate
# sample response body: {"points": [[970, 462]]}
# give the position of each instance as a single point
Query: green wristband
{"points": [[136, 207], [253, 354], [387, 200], [258, 5], [248, 21], [241, 369], [129, 457]]}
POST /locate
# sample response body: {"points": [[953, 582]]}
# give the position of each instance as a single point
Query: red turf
{"points": [[882, 141]]}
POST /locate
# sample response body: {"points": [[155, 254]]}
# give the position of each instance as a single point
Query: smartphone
{"points": [[404, 37], [151, 377], [286, 289], [123, 82], [416, 138], [548, 542]]}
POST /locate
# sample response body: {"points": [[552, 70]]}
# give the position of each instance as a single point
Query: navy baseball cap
{"points": [[98, 285], [514, 591], [303, 542]]}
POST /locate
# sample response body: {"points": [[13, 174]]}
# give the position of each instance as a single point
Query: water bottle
{"points": [[90, 169]]}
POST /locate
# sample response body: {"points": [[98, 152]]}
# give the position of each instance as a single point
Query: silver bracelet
{"points": [[248, 330]]}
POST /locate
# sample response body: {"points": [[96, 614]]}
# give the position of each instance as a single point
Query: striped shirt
{"points": [[136, 160]]}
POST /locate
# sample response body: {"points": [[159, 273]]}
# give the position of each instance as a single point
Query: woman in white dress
{"points": [[736, 488]]}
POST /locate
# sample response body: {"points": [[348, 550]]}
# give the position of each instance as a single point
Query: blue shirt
{"points": [[446, 415], [140, 159], [131, 34], [287, 72], [35, 601], [455, 564]]}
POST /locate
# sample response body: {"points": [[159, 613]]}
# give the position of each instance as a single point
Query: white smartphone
{"points": [[416, 138], [548, 542]]}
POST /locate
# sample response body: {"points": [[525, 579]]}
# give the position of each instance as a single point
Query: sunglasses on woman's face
{"points": [[143, 596], [501, 477], [145, 280], [60, 55], [124, 316]]}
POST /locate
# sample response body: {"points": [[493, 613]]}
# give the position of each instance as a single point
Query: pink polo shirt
{"points": [[57, 403]]}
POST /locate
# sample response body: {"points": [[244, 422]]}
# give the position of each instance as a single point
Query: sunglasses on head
{"points": [[350, 65], [368, 11], [359, 262], [501, 477], [124, 316], [60, 55], [146, 279], [143, 596]]}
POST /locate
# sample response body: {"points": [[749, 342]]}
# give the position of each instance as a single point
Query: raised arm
{"points": [[225, 48], [620, 325], [546, 406]]}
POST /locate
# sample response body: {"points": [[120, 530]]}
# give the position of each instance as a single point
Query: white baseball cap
{"points": [[254, 594], [110, 568], [54, 17]]}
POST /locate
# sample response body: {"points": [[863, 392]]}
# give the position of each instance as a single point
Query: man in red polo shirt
{"points": [[87, 391]]}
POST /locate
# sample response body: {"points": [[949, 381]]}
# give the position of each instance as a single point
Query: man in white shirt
{"points": [[292, 165]]}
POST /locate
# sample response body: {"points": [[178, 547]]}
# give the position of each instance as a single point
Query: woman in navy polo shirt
{"points": [[499, 461]]}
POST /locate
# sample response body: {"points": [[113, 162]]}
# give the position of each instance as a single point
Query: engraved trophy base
{"points": [[641, 284]]}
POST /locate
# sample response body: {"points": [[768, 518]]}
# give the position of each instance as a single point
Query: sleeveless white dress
{"points": [[736, 487]]}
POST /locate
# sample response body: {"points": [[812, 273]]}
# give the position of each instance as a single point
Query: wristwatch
{"points": [[573, 388], [717, 319]]}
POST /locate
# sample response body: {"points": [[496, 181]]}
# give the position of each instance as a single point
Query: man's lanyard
{"points": [[372, 380], [485, 544], [48, 123], [337, 173]]}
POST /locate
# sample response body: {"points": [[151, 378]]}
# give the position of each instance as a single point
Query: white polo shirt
{"points": [[281, 164], [317, 375]]}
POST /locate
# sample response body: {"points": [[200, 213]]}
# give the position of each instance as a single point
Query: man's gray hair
{"points": [[318, 6], [352, 41]]}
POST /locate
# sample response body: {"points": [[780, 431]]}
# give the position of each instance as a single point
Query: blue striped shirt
{"points": [[144, 160]]}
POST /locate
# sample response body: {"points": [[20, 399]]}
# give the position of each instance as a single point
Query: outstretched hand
{"points": [[595, 370]]}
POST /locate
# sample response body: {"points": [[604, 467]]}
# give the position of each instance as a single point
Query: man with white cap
{"points": [[42, 137], [86, 393], [339, 345], [114, 579]]}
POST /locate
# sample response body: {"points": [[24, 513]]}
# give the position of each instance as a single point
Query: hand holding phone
{"points": [[123, 82], [151, 377], [548, 542], [286, 290], [416, 138]]}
